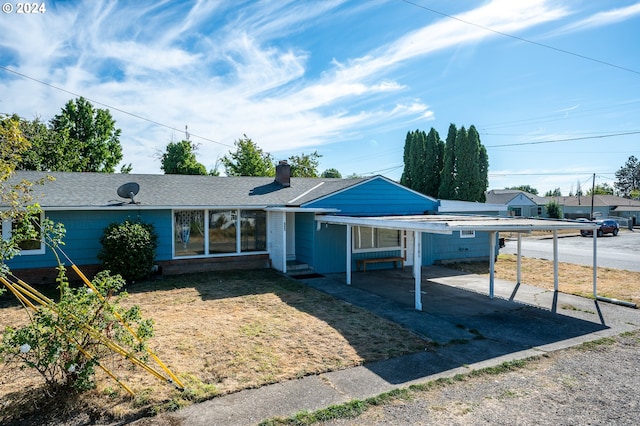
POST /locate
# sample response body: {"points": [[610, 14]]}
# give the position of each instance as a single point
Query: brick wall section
{"points": [[186, 266], [47, 276]]}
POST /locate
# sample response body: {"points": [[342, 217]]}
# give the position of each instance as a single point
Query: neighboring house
{"points": [[603, 206], [524, 204], [209, 223], [519, 203]]}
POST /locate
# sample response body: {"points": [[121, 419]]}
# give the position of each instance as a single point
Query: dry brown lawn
{"points": [[224, 332], [572, 279]]}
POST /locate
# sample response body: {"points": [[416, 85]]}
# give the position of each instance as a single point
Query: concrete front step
{"points": [[294, 265]]}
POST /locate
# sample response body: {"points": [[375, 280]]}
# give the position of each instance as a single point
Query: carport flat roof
{"points": [[446, 224]]}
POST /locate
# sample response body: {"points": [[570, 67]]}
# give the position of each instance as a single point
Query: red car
{"points": [[605, 226]]}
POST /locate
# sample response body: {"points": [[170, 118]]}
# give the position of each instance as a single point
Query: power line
{"points": [[111, 107], [564, 140], [546, 46]]}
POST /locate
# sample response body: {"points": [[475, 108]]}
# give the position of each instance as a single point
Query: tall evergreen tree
{"points": [[433, 150], [417, 160], [479, 167], [456, 170], [407, 174], [466, 157], [448, 189]]}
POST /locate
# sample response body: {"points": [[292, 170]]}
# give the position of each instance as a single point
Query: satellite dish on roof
{"points": [[129, 190]]}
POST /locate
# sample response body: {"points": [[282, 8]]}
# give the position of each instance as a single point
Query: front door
{"points": [[291, 236]]}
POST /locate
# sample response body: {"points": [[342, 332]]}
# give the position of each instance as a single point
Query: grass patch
{"points": [[224, 332], [355, 408], [573, 279], [605, 341]]}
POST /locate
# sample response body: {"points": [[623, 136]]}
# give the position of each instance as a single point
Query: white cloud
{"points": [[602, 18], [177, 64]]}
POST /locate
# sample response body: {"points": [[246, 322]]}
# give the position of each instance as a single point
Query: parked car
{"points": [[605, 226]]}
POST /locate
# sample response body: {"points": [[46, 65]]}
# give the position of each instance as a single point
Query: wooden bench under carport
{"points": [[362, 263]]}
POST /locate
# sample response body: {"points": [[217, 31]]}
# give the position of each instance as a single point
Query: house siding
{"points": [[438, 248], [330, 249], [305, 235], [377, 197], [84, 230]]}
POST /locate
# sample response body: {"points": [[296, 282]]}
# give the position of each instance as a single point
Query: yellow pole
{"points": [[133, 333], [21, 296]]}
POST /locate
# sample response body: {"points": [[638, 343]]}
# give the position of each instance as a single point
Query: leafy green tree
{"points": [[525, 188], [555, 193], [305, 165], [48, 151], [88, 137], [65, 340], [248, 160], [601, 189], [554, 210], [448, 178], [331, 173], [180, 159], [16, 198], [628, 177]]}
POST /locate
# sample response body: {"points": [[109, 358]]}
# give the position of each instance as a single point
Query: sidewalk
{"points": [[472, 330]]}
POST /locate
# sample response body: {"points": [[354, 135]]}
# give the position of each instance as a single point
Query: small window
{"points": [[467, 234], [375, 239], [33, 245]]}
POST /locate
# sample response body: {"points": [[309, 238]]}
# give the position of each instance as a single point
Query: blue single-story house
{"points": [[209, 223]]}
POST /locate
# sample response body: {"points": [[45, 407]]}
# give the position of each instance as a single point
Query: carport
{"points": [[448, 224]]}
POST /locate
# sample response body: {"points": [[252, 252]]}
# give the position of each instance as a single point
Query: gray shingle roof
{"points": [[599, 200], [91, 190]]}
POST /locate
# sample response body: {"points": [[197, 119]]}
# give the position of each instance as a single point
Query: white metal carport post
{"points": [[348, 254], [519, 261], [555, 260], [492, 261], [595, 264], [417, 268]]}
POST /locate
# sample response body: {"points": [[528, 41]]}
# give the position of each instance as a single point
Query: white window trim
{"points": [[207, 255], [467, 234], [7, 231], [354, 238]]}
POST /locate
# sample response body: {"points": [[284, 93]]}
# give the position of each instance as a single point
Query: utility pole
{"points": [[593, 191]]}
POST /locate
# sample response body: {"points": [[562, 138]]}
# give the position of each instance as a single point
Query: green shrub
{"points": [[129, 249], [66, 340]]}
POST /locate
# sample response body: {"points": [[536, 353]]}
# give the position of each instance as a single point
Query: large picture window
{"points": [[254, 230], [222, 231], [375, 239], [218, 232], [189, 232]]}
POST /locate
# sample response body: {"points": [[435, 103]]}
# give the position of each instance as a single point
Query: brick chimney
{"points": [[283, 173]]}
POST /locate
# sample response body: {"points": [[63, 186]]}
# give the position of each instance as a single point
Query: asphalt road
{"points": [[621, 252]]}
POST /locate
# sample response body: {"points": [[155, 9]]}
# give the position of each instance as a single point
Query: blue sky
{"points": [[347, 79]]}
